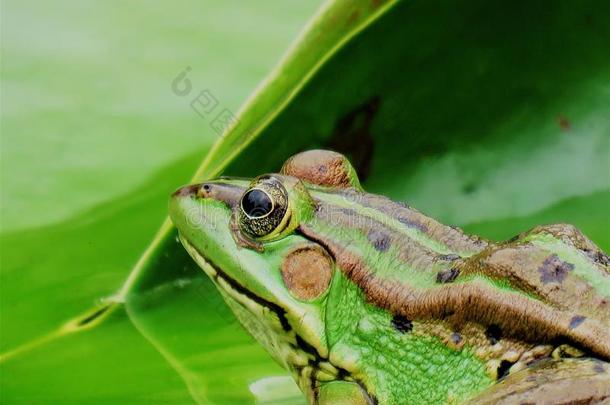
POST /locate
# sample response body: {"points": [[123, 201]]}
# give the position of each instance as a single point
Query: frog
{"points": [[365, 300]]}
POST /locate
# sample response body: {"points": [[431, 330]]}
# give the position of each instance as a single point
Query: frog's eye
{"points": [[262, 209], [256, 203]]}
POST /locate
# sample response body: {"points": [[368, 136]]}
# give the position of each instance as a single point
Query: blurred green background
{"points": [[495, 118], [87, 109]]}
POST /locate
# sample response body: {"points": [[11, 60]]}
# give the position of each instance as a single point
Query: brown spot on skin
{"points": [[450, 257], [564, 123], [576, 321], [599, 257], [402, 324], [447, 276], [455, 341], [554, 270], [493, 334], [321, 167], [503, 369], [380, 241], [412, 224], [352, 136], [598, 367], [307, 271]]}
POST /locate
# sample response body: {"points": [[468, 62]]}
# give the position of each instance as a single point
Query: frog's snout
{"points": [[225, 192]]}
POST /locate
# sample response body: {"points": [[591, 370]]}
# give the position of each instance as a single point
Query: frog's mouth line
{"points": [[215, 273]]}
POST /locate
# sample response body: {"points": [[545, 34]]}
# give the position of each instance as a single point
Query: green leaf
{"points": [[111, 363], [54, 273], [334, 25]]}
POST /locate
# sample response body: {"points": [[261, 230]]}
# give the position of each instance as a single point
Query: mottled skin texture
{"points": [[551, 381], [365, 300]]}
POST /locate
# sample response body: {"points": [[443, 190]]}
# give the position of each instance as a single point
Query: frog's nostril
{"points": [[212, 190], [204, 190]]}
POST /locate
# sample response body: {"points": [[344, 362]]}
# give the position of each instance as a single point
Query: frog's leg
{"points": [[343, 393], [567, 381], [555, 263]]}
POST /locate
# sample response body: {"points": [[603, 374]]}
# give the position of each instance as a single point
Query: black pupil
{"points": [[256, 203]]}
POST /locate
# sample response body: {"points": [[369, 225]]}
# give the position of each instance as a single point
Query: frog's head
{"points": [[245, 235]]}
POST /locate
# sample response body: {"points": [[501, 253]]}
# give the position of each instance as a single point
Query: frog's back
{"points": [[548, 285]]}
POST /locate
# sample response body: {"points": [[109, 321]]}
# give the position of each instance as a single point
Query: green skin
{"points": [[413, 311]]}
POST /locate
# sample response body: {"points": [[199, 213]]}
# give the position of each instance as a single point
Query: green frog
{"points": [[368, 301]]}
